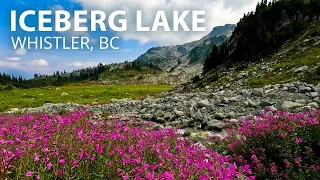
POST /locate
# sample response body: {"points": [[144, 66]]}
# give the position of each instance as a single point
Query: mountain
{"points": [[278, 43], [170, 57]]}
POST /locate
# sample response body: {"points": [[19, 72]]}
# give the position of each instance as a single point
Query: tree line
{"points": [[61, 78]]}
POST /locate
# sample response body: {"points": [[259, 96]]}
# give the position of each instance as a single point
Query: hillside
{"points": [[265, 49]]}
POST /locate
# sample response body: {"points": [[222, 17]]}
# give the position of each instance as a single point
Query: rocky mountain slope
{"points": [[168, 57]]}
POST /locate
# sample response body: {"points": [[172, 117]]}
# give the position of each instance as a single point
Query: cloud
{"points": [[56, 7], [13, 58], [71, 32], [83, 64], [21, 52], [40, 63], [218, 12], [10, 64]]}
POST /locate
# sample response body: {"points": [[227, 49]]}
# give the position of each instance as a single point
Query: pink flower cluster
{"points": [[281, 122], [277, 145], [72, 147]]}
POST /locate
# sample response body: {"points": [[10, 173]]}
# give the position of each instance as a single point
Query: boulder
{"points": [[179, 113], [303, 89], [220, 116], [64, 94], [203, 103], [317, 99], [257, 92], [307, 109], [159, 113], [198, 116], [292, 89], [313, 94], [301, 101], [314, 105], [250, 103], [289, 105], [225, 101], [214, 125], [265, 103], [301, 69], [146, 116]]}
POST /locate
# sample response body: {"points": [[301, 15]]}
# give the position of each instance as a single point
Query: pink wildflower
{"points": [[29, 174]]}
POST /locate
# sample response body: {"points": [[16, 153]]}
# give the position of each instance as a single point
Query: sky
{"points": [[27, 62]]}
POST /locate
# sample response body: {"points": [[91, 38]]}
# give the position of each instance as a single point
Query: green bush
{"points": [[256, 82]]}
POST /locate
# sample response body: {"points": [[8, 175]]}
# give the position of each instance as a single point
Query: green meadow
{"points": [[20, 98]]}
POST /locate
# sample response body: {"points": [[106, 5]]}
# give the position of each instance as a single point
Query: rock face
{"points": [[204, 110], [167, 57]]}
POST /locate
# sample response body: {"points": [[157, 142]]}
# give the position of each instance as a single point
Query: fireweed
{"points": [[72, 147], [278, 146]]}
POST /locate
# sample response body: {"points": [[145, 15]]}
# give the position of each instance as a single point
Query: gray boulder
{"points": [[198, 116], [160, 113], [292, 89], [313, 94], [301, 69], [203, 103], [314, 105], [257, 92], [307, 109], [220, 116], [214, 125], [250, 103], [179, 113], [289, 105], [317, 99]]}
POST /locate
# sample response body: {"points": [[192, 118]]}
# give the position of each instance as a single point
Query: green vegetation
{"points": [[284, 71], [129, 74], [264, 31], [35, 97], [124, 73]]}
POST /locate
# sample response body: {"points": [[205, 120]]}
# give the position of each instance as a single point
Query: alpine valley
{"points": [[243, 102]]}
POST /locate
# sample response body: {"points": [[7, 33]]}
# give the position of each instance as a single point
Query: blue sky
{"points": [[131, 43]]}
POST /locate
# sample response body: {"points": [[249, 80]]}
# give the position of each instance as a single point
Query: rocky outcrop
{"points": [[172, 57]]}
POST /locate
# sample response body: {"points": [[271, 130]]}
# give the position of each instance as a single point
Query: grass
{"points": [[20, 98], [284, 71]]}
